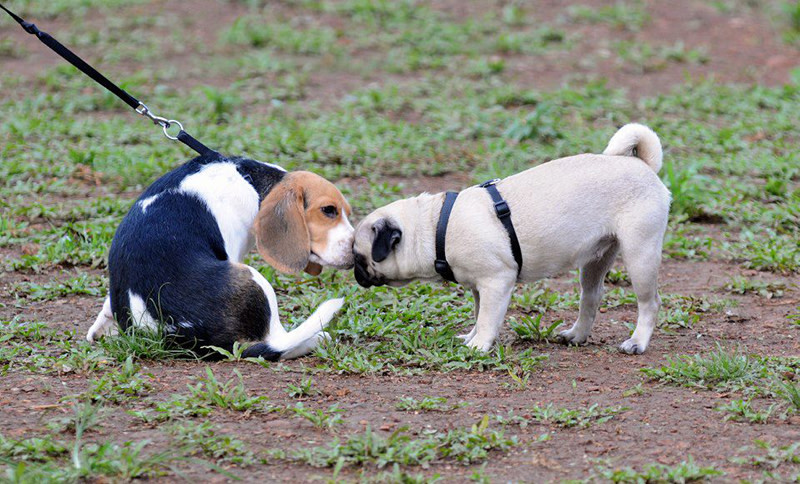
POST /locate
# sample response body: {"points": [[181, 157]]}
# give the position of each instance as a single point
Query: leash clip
{"points": [[158, 120]]}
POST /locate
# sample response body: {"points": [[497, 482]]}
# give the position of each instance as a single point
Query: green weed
{"points": [[322, 419], [301, 390], [581, 418], [529, 328], [203, 438], [685, 471], [744, 285], [622, 14], [462, 445], [743, 410], [720, 369], [772, 457], [426, 404]]}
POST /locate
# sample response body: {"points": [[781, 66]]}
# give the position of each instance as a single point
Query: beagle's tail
{"points": [[636, 140]]}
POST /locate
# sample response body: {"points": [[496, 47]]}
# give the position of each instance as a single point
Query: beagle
{"points": [[578, 211], [176, 258]]}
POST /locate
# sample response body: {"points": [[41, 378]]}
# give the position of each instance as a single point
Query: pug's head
{"points": [[383, 250]]}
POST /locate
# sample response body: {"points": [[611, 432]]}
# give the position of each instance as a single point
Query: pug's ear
{"points": [[387, 236]]}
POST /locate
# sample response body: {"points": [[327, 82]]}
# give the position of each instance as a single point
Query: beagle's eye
{"points": [[329, 211]]}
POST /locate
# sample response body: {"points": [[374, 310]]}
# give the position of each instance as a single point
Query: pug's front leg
{"points": [[468, 336], [494, 297]]}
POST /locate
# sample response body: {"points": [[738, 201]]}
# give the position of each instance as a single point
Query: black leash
{"points": [[502, 211], [131, 101]]}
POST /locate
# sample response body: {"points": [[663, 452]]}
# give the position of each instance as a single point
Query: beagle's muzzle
{"points": [[572, 212], [175, 263]]}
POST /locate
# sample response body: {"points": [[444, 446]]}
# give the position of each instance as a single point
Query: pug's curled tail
{"points": [[636, 140]]}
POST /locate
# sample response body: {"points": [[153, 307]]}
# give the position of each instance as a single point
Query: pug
{"points": [[574, 212]]}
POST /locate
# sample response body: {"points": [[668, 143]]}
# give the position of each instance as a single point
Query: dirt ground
{"points": [[663, 424]]}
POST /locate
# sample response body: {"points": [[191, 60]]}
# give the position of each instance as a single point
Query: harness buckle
{"points": [[488, 183], [441, 265], [502, 209]]}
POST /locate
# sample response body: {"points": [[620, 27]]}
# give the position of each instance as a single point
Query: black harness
{"points": [[503, 212]]}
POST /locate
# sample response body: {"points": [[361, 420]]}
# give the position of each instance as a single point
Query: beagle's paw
{"points": [[632, 347]]}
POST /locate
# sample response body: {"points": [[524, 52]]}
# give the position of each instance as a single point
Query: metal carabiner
{"points": [[161, 121]]}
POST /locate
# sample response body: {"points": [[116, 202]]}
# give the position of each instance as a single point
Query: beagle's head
{"points": [[302, 225]]}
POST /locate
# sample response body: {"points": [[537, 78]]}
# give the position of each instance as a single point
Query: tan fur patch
{"points": [[292, 221]]}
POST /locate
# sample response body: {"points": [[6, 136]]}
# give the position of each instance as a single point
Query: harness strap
{"points": [[441, 265], [503, 212], [90, 71]]}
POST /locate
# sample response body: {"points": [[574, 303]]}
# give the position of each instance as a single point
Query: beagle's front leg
{"points": [[495, 294]]}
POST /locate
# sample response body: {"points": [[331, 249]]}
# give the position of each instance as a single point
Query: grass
{"points": [[322, 419], [467, 445], [426, 404], [205, 439], [564, 417], [685, 471], [720, 369], [378, 96], [742, 410]]}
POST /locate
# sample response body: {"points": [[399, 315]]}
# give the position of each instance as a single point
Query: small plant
{"points": [[144, 344], [322, 419], [531, 328], [519, 379], [229, 395], [208, 393], [622, 15], [581, 418], [204, 438], [686, 471], [426, 404], [540, 125], [119, 385], [720, 369], [302, 390], [790, 392], [82, 284], [745, 285], [236, 354], [463, 445], [772, 457], [742, 410]]}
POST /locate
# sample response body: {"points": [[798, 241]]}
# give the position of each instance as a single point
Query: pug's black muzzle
{"points": [[363, 278]]}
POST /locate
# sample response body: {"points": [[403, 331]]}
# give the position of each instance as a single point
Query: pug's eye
{"points": [[330, 211]]}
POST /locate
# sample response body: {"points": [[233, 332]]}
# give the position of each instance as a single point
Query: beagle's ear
{"points": [[387, 236], [280, 228]]}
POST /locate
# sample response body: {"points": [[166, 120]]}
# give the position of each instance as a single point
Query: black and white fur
{"points": [[176, 259]]}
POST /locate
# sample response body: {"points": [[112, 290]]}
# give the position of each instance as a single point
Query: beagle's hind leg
{"points": [[103, 323]]}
